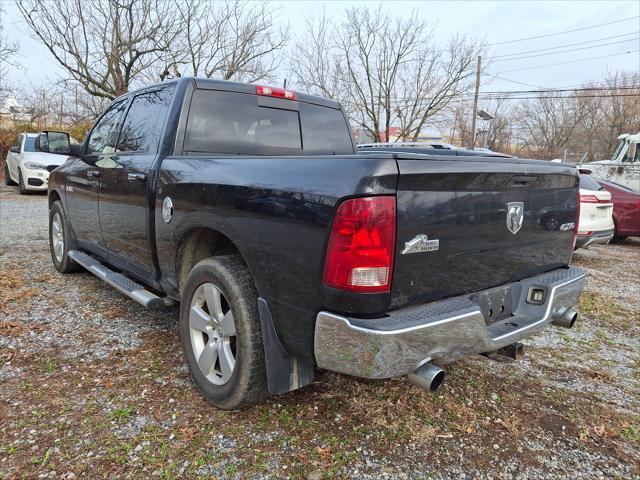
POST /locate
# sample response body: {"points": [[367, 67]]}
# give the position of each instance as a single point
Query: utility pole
{"points": [[475, 103]]}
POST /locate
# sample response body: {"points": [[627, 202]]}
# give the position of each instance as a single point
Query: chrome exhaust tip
{"points": [[427, 376], [565, 317]]}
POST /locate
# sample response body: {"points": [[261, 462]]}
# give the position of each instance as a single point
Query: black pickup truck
{"points": [[288, 251]]}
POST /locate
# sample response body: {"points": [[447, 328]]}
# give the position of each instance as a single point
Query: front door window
{"points": [[104, 136]]}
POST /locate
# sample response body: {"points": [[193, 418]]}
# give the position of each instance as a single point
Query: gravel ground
{"points": [[93, 385]]}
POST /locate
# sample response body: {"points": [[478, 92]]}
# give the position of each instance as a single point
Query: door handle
{"points": [[93, 173], [136, 177]]}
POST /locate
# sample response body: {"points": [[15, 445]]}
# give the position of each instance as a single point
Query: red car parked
{"points": [[626, 209]]}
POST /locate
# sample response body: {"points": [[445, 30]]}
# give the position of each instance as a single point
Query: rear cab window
{"points": [[237, 124]]}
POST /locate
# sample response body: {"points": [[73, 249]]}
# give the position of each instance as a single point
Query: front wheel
{"points": [[60, 241], [221, 334]]}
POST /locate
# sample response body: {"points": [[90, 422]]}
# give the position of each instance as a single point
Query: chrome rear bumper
{"points": [[444, 331]]}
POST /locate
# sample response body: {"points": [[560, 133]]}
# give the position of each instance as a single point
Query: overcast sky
{"points": [[497, 21]]}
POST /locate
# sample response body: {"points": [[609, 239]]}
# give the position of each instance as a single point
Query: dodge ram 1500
{"points": [[287, 250]]}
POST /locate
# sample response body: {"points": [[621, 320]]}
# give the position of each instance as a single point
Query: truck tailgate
{"points": [[472, 208]]}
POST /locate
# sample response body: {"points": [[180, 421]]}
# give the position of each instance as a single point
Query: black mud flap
{"points": [[284, 372]]}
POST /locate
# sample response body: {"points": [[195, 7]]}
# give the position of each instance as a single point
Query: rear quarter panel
{"points": [[277, 212]]}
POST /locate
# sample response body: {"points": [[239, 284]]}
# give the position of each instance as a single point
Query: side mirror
{"points": [[15, 149], [55, 142]]}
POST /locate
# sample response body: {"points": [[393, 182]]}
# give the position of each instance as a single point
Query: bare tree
{"points": [[385, 71], [439, 77], [496, 134], [105, 45], [621, 101], [588, 134], [315, 63], [547, 124], [8, 51], [228, 39]]}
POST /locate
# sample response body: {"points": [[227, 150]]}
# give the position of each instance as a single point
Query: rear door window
{"points": [[143, 125], [234, 123]]}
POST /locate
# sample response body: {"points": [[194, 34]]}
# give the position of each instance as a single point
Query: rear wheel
{"points": [[7, 177], [221, 334], [60, 240]]}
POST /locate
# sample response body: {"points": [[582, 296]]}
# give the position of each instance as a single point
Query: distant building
{"points": [[12, 113]]}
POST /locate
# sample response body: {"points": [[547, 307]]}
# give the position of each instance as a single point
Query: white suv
{"points": [[27, 167], [596, 213]]}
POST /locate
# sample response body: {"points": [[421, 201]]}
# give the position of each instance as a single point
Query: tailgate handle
{"points": [[522, 180]]}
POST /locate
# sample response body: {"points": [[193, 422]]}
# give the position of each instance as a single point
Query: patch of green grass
{"points": [[167, 473], [119, 453], [631, 433], [10, 450], [602, 335], [605, 309], [41, 461], [285, 417], [231, 469], [50, 365], [121, 414]]}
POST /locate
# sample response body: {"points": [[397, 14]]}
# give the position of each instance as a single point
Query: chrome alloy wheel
{"points": [[213, 334], [57, 236]]}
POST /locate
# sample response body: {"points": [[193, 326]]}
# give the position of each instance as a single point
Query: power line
{"points": [[567, 51], [537, 97], [565, 46], [566, 31], [570, 61], [530, 97], [628, 82], [564, 90], [512, 81]]}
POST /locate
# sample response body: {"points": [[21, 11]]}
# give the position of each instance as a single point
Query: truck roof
{"points": [[227, 85]]}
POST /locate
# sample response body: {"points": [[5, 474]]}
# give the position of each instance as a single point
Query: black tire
{"points": [[7, 177], [21, 187], [616, 237], [64, 264], [247, 384]]}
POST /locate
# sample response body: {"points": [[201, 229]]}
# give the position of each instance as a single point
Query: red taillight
{"points": [[361, 245], [592, 199], [275, 92]]}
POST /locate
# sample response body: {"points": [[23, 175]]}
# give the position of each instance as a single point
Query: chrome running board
{"points": [[131, 289]]}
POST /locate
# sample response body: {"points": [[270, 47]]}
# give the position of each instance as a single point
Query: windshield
{"points": [[30, 144], [619, 148]]}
